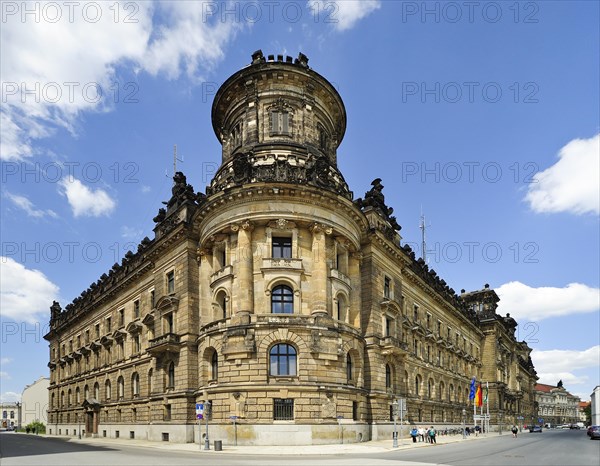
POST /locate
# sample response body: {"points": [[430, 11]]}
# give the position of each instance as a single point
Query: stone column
{"points": [[319, 269], [354, 260], [205, 264], [245, 279]]}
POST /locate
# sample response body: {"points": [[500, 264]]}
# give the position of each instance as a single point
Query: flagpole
{"points": [[487, 406]]}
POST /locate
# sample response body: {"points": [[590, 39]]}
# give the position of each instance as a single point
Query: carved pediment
{"points": [[106, 340], [148, 319], [167, 304], [119, 334], [134, 327]]}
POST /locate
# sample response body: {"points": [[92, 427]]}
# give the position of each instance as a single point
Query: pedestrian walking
{"points": [[421, 434], [413, 433], [432, 435], [515, 431]]}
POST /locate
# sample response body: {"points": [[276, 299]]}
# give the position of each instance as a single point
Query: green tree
{"points": [[37, 426]]}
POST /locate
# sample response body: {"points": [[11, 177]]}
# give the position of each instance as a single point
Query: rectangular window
{"points": [[355, 410], [388, 326], [428, 321], [108, 324], [171, 282], [136, 308], [97, 330], [136, 344], [439, 328], [415, 313], [152, 298], [167, 413], [387, 284], [281, 248], [283, 409], [87, 337], [280, 123], [121, 317]]}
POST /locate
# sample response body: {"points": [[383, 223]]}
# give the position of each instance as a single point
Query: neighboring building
{"points": [[583, 405], [34, 402], [279, 298], [9, 414], [595, 401], [556, 405]]}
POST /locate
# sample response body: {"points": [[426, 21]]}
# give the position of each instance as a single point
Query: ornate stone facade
{"points": [[556, 405], [277, 297]]}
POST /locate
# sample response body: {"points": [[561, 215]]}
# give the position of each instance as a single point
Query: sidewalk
{"points": [[375, 446]]}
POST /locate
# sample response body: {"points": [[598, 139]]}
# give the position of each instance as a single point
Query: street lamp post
{"points": [[464, 414], [79, 425], [207, 408], [395, 433]]}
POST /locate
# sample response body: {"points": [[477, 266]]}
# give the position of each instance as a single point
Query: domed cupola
{"points": [[279, 121]]}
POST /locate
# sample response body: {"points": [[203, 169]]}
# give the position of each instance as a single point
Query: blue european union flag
{"points": [[472, 392]]}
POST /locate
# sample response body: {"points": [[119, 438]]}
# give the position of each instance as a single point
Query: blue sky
{"points": [[484, 117]]}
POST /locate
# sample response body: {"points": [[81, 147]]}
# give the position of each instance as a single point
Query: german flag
{"points": [[478, 396]]}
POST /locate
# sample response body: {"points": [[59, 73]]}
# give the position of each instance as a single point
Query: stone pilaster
{"points": [[320, 268], [244, 265]]}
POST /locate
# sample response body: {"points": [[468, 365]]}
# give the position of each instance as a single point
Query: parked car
{"points": [[535, 429], [595, 433], [589, 430]]}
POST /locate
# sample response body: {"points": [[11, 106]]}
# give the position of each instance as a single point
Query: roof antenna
{"points": [[423, 227], [175, 160]]}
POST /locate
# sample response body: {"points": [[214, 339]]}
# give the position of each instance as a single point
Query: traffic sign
{"points": [[199, 410]]}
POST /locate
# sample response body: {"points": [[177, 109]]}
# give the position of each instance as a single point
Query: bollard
{"points": [[218, 445]]}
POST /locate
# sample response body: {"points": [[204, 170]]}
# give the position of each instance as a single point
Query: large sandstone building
{"points": [[279, 297]]}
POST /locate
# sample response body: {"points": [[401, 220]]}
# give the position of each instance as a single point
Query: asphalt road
{"points": [[550, 448]]}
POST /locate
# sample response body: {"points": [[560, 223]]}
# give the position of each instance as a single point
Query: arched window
{"points": [[283, 360], [451, 393], [97, 391], [341, 308], [150, 374], [121, 388], [107, 390], [86, 392], [222, 302], [441, 391], [417, 385], [135, 384], [282, 300], [77, 395], [349, 367], [388, 376], [52, 401], [69, 394], [214, 365], [171, 375], [62, 399], [429, 388]]}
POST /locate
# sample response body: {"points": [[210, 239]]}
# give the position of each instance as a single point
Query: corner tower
{"points": [[278, 120]]}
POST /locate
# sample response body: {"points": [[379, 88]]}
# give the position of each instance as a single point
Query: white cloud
{"points": [[5, 361], [8, 397], [85, 201], [4, 375], [131, 233], [572, 184], [23, 203], [343, 14], [565, 360], [527, 303], [61, 64], [24, 293], [566, 365]]}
